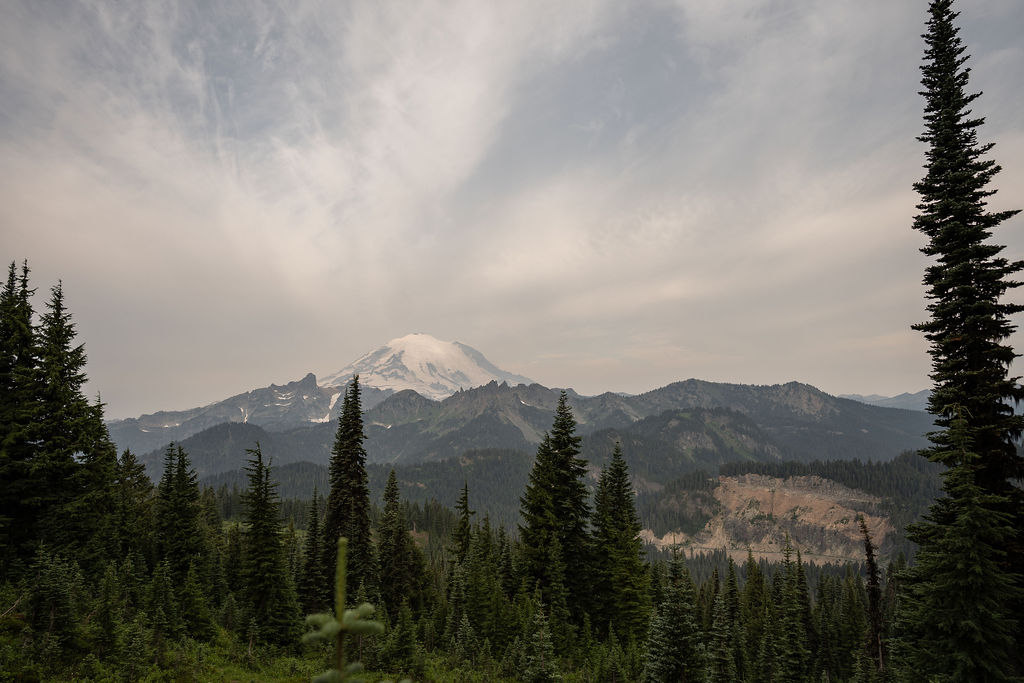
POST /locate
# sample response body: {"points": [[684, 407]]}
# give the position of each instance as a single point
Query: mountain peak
{"points": [[429, 366]]}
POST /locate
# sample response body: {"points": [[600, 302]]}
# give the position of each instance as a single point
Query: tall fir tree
{"points": [[17, 388], [973, 393], [620, 576], [268, 587], [462, 531], [398, 557], [875, 642], [675, 653], [348, 503], [313, 595], [556, 514], [134, 506], [176, 514], [960, 596]]}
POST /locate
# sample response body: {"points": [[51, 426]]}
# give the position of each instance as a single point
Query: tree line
{"points": [[108, 577]]}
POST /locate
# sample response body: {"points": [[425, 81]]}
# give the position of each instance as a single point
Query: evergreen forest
{"points": [[106, 575]]}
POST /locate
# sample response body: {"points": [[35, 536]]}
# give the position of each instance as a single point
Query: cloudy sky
{"points": [[597, 194]]}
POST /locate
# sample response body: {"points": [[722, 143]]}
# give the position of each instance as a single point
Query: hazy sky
{"points": [[603, 195]]}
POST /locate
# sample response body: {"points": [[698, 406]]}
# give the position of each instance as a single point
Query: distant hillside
{"points": [[747, 505], [669, 431], [905, 401]]}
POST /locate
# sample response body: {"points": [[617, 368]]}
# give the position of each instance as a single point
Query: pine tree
{"points": [[398, 555], [402, 654], [753, 610], [162, 606], [461, 532], [875, 644], [195, 609], [176, 513], [60, 419], [348, 503], [18, 390], [133, 505], [539, 662], [722, 656], [556, 513], [268, 588], [620, 583], [312, 585], [675, 653], [959, 592], [972, 393], [792, 648]]}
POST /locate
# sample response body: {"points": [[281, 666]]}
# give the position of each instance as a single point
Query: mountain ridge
{"points": [[675, 428]]}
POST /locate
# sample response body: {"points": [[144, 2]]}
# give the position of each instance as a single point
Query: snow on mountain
{"points": [[429, 366]]}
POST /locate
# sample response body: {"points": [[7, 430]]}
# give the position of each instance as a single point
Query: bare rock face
{"points": [[758, 513]]}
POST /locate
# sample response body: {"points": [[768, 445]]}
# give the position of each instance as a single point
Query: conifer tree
{"points": [[754, 605], [973, 393], [59, 421], [348, 503], [195, 609], [539, 662], [269, 590], [133, 505], [675, 653], [176, 513], [402, 653], [17, 361], [162, 606], [312, 585], [731, 597], [722, 656], [461, 532], [620, 585], [398, 555], [959, 592], [792, 647], [556, 513], [875, 643]]}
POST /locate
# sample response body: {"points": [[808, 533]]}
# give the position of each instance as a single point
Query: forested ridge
{"points": [[174, 579], [107, 576]]}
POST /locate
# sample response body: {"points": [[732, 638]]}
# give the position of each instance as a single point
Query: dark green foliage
{"points": [[965, 592], [17, 363], [722, 666], [959, 592], [620, 587], [555, 513], [402, 654], [792, 647], [348, 503], [195, 610], [312, 594], [176, 514], [56, 459], [163, 607], [539, 664], [108, 611], [134, 505], [875, 643], [675, 653], [335, 628], [269, 589], [401, 563], [461, 533], [55, 605]]}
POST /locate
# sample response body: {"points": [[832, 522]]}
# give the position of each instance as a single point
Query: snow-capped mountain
{"points": [[432, 368]]}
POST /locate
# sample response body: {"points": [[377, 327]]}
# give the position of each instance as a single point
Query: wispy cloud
{"points": [[600, 195]]}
